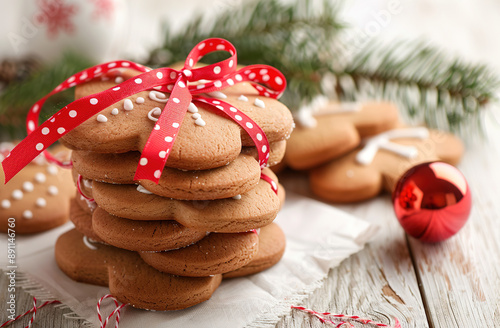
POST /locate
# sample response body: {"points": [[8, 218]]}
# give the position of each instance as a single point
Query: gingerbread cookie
{"points": [[254, 209], [272, 243], [205, 140], [37, 199], [377, 166], [129, 278], [336, 130], [82, 219]]}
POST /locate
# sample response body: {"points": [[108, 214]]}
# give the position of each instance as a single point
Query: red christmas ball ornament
{"points": [[432, 201]]}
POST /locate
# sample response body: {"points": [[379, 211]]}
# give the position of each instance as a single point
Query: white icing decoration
{"points": [[101, 118], [87, 183], [154, 111], [115, 111], [139, 100], [237, 197], [52, 190], [196, 116], [128, 104], [17, 194], [40, 178], [41, 202], [6, 203], [373, 144], [143, 190], [199, 121], [158, 96], [87, 243], [52, 170], [192, 108], [259, 103], [119, 79], [28, 186], [242, 98], [28, 214], [217, 94]]}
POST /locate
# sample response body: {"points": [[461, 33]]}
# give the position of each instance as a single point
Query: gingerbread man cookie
{"points": [[37, 199], [377, 166], [335, 130]]}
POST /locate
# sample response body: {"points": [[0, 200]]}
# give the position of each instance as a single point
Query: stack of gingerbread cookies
{"points": [[355, 151], [167, 246]]}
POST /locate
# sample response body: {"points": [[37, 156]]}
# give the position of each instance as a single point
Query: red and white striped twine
{"points": [[326, 317], [33, 310], [116, 311]]}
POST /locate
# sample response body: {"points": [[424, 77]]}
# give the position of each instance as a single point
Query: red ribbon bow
{"points": [[182, 93]]}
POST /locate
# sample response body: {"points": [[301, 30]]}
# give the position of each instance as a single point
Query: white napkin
{"points": [[318, 236]]}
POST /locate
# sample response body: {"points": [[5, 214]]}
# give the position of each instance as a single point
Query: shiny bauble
{"points": [[432, 201]]}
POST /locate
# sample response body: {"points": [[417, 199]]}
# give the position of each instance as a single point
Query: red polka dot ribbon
{"points": [[267, 80]]}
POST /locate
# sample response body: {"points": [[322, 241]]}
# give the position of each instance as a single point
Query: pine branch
{"points": [[443, 92], [291, 37], [19, 96]]}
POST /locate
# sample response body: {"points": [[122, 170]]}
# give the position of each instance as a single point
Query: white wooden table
{"points": [[452, 284]]}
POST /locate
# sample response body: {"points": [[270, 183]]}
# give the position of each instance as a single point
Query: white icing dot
{"points": [[238, 117], [61, 130], [251, 75], [31, 125], [101, 118], [217, 69], [159, 75], [52, 190], [259, 103], [231, 63], [52, 170], [158, 96], [40, 178], [249, 125], [128, 105], [28, 186], [39, 146], [138, 81], [230, 81], [173, 75], [196, 116], [28, 214], [242, 98], [93, 101], [17, 194], [218, 84], [143, 190], [119, 79], [169, 139], [238, 77], [116, 88], [181, 84], [45, 131], [263, 71], [114, 111], [200, 122], [139, 100], [176, 100], [278, 80], [143, 161], [175, 125], [157, 174], [237, 197], [192, 108], [41, 202], [72, 113], [6, 203], [265, 78], [232, 109], [264, 148], [162, 154]]}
